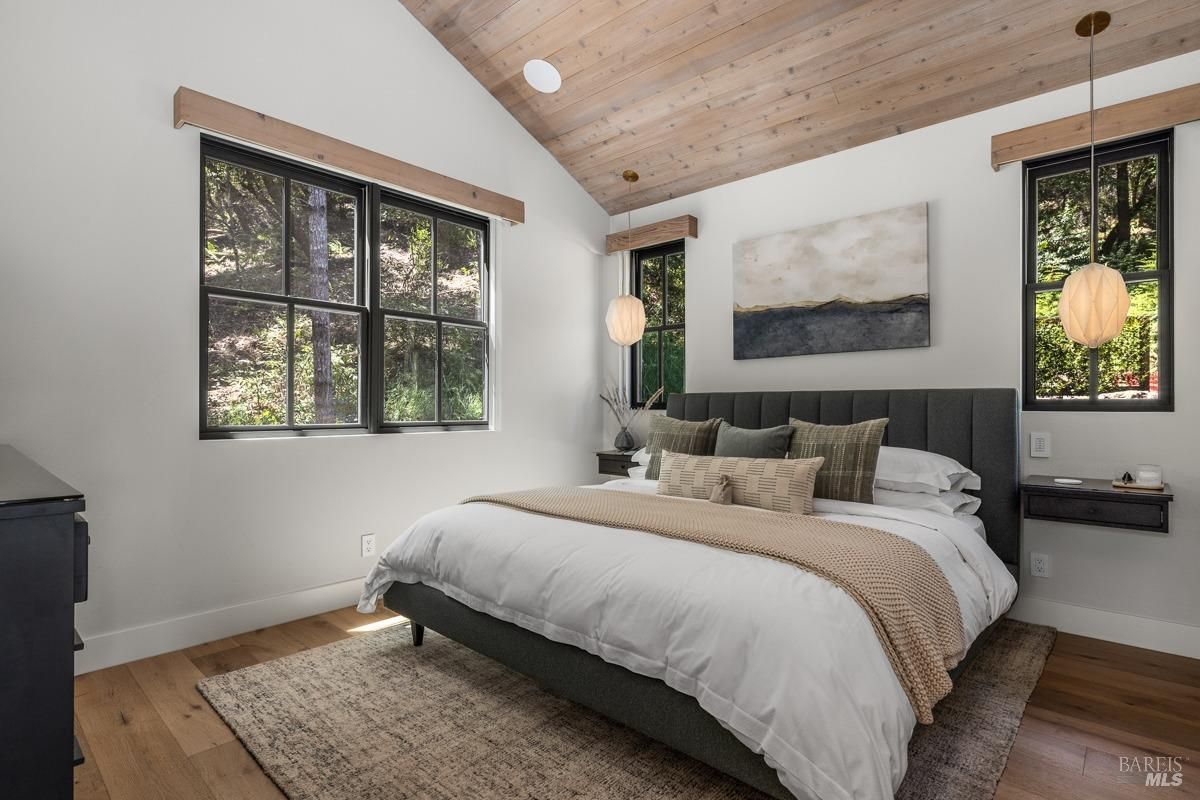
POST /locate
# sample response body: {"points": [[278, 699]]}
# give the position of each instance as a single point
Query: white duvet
{"points": [[782, 658]]}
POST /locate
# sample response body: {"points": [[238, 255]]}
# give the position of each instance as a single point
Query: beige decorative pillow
{"points": [[784, 485], [850, 452]]}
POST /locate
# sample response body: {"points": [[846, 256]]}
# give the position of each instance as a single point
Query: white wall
{"points": [[99, 308], [1109, 583]]}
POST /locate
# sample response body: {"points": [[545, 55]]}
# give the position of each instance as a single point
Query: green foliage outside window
{"points": [[1127, 240], [246, 214], [660, 355]]}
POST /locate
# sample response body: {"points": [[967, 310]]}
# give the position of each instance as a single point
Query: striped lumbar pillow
{"points": [[850, 453], [774, 484], [679, 436]]}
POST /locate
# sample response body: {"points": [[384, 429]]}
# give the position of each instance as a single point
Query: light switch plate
{"points": [[1039, 445]]}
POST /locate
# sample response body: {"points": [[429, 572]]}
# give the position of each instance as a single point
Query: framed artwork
{"points": [[860, 283]]}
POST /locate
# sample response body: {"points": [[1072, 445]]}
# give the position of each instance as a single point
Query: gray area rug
{"points": [[374, 717]]}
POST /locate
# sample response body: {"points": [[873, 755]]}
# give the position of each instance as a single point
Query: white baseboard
{"points": [[1153, 634], [130, 644]]}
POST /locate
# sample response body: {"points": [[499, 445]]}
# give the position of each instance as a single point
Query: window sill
{"points": [[1136, 406], [305, 433]]}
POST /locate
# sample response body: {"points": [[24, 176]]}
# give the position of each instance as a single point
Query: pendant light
{"points": [[1094, 301], [626, 317]]}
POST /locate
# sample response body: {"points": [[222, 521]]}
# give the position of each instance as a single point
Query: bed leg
{"points": [[418, 633]]}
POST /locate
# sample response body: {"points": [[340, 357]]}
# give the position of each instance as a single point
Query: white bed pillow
{"points": [[948, 502], [903, 469], [641, 457], [638, 472]]}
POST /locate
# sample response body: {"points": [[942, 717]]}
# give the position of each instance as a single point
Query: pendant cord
{"points": [[628, 227], [1094, 199]]}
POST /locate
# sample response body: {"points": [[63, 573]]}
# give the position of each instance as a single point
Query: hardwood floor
{"points": [[147, 732]]}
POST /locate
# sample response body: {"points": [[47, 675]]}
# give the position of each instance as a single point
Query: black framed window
{"points": [[659, 278], [332, 305], [432, 319], [1133, 198]]}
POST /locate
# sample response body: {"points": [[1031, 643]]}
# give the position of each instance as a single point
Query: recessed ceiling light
{"points": [[542, 76]]}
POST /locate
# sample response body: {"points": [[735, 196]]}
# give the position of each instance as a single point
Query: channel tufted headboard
{"points": [[976, 427]]}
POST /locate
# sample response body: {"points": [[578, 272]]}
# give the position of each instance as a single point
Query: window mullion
{"points": [[289, 350], [662, 335], [437, 379], [373, 380], [291, 370], [433, 264], [1094, 374]]}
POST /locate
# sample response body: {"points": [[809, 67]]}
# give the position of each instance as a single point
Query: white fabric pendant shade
{"points": [[626, 320], [1093, 305]]}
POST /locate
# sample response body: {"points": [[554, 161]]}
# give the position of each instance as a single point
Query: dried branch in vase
{"points": [[618, 404]]}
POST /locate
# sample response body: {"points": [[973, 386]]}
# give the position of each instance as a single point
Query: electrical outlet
{"points": [[1039, 565], [368, 545], [1039, 445]]}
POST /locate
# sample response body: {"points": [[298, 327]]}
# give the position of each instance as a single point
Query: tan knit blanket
{"points": [[902, 590]]}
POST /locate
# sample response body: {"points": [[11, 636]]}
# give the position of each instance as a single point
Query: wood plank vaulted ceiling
{"points": [[694, 94]]}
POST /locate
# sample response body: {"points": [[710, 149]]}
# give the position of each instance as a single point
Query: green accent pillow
{"points": [[751, 443], [678, 436], [850, 452]]}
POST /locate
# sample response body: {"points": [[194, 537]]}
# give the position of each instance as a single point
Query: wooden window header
{"points": [[655, 233], [218, 116], [1144, 115]]}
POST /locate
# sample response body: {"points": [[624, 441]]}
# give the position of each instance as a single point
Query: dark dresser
{"points": [[43, 573]]}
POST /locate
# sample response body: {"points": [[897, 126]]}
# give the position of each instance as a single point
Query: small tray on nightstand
{"points": [[1096, 502]]}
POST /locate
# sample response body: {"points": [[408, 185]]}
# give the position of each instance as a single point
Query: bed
{"points": [[613, 620]]}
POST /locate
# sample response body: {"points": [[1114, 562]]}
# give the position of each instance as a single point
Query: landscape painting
{"points": [[855, 284]]}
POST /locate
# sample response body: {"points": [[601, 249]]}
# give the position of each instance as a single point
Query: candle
{"points": [[1149, 475]]}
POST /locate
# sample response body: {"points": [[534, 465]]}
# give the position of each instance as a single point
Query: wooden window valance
{"points": [[1144, 115], [655, 233], [221, 117]]}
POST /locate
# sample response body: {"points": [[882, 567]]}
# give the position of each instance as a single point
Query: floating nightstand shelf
{"points": [[1096, 502], [615, 462]]}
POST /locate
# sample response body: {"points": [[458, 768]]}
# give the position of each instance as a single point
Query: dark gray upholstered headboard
{"points": [[976, 427]]}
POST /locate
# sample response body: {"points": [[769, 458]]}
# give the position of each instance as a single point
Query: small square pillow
{"points": [[678, 436], [751, 443], [774, 484], [850, 453]]}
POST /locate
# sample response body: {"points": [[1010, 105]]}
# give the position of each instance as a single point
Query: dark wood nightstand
{"points": [[1096, 502], [615, 462]]}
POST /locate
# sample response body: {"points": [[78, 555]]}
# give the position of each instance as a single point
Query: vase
{"points": [[624, 440]]}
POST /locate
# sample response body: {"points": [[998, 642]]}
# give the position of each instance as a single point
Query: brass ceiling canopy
{"points": [[630, 176], [1093, 23]]}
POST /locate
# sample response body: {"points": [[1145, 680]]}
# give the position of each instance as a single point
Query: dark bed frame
{"points": [[977, 427]]}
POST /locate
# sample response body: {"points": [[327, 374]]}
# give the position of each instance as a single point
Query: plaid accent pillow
{"points": [[678, 436], [850, 452], [776, 484]]}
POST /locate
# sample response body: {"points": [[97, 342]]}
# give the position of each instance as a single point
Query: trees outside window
{"points": [[306, 327], [658, 359], [1133, 200]]}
